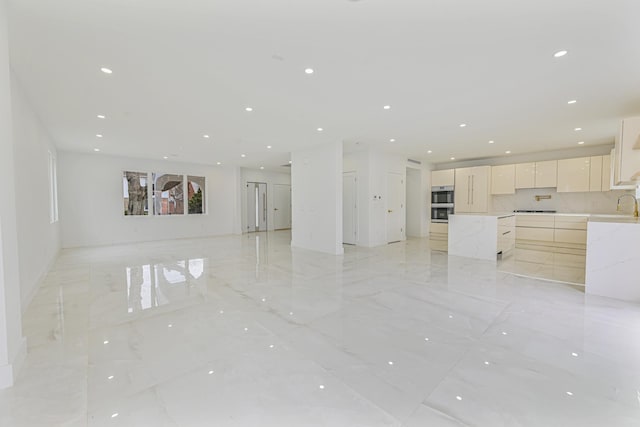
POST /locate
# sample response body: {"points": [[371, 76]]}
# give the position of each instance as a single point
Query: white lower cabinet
{"points": [[506, 234]]}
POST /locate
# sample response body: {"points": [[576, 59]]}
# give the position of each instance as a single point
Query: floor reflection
{"points": [[155, 285]]}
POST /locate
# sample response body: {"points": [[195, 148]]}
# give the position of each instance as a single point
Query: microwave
{"points": [[441, 213]]}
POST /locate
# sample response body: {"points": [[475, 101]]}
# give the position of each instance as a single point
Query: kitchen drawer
{"points": [[570, 236], [509, 221], [534, 233], [571, 222], [440, 227], [541, 221]]}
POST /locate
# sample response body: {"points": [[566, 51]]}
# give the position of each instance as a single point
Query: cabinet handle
{"points": [[473, 182], [468, 189], [506, 232]]}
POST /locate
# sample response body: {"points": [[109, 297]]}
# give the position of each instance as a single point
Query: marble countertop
{"points": [[618, 219], [496, 214], [613, 218]]}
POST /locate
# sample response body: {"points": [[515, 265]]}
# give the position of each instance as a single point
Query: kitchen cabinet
{"points": [[606, 173], [472, 189], [552, 230], [574, 175], [595, 174], [546, 174], [506, 234], [537, 175], [442, 178], [525, 175], [503, 179], [626, 164]]}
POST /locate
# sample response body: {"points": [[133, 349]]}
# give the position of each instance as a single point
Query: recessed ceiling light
{"points": [[115, 414], [248, 109], [573, 101], [392, 140], [581, 142], [560, 53], [453, 158], [243, 155], [491, 142], [106, 70], [578, 129], [96, 149], [205, 136], [308, 70], [429, 152], [390, 362], [165, 157], [289, 161], [320, 129], [105, 342], [219, 163], [268, 146], [569, 393], [463, 125], [321, 387], [99, 135], [387, 107], [508, 152], [110, 377], [210, 372], [459, 397], [261, 167], [101, 116]]}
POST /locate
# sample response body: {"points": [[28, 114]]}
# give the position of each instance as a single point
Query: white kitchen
{"points": [[564, 216]]}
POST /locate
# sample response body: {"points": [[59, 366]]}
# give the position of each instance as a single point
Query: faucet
{"points": [[635, 204]]}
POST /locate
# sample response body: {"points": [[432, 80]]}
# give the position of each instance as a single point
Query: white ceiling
{"points": [[187, 68]]}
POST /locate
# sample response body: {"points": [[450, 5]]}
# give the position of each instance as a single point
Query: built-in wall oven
{"points": [[441, 203]]}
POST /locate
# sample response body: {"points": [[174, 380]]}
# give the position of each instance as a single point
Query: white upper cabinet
{"points": [[606, 173], [574, 175], [595, 180], [525, 175], [503, 179], [626, 164], [546, 174], [472, 189], [537, 175], [442, 178]]}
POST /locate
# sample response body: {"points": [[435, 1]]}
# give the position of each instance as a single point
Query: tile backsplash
{"points": [[593, 202]]}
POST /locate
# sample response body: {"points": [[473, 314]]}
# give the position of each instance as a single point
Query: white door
{"points": [[256, 206], [281, 206], [349, 208], [395, 207]]}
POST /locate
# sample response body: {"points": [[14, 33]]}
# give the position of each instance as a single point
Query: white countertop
{"points": [[613, 218]]}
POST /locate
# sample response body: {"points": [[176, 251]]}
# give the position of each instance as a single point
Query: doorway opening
{"points": [[349, 208]]}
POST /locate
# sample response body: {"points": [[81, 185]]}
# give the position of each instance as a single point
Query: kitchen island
{"points": [[613, 257], [481, 236]]}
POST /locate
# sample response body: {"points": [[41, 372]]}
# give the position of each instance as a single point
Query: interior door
{"points": [[256, 206], [281, 206], [349, 208], [395, 207]]}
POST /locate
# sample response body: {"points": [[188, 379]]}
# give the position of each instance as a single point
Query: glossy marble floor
{"points": [[243, 331]]}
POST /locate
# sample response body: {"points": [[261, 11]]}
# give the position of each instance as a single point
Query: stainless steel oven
{"points": [[441, 203], [443, 194], [441, 213]]}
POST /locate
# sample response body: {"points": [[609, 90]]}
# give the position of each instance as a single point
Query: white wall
{"points": [[271, 179], [358, 162], [12, 344], [38, 239], [372, 167], [91, 204], [316, 198]]}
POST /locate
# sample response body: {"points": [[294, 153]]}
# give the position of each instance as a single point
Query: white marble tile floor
{"points": [[245, 331]]}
